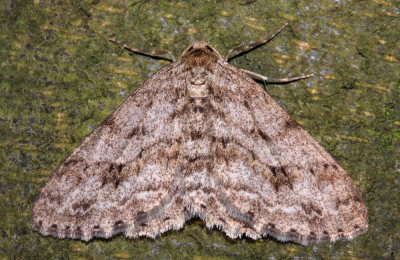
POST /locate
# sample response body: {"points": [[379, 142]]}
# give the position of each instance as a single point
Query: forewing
{"points": [[271, 177], [124, 175]]}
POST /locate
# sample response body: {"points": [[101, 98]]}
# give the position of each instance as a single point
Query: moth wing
{"points": [[271, 176], [123, 177]]}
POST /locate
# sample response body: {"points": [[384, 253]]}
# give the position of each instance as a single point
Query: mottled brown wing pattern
{"points": [[200, 138], [123, 176], [271, 176]]}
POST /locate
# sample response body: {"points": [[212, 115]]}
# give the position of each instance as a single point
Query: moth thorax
{"points": [[198, 83]]}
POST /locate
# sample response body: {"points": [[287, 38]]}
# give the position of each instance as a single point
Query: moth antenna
{"points": [[247, 2], [272, 80], [249, 47], [156, 54]]}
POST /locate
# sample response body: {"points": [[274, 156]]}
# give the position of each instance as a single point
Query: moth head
{"points": [[199, 49], [200, 54]]}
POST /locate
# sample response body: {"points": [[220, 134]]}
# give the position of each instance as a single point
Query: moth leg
{"points": [[271, 80], [248, 47], [156, 54]]}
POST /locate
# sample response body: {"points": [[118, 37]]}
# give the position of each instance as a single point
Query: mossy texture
{"points": [[60, 78]]}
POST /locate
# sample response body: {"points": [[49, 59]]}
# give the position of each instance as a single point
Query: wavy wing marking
{"points": [[271, 177], [124, 177]]}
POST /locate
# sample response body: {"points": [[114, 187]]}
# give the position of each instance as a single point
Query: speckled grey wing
{"points": [[271, 177], [124, 177]]}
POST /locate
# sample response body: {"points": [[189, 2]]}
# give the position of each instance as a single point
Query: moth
{"points": [[200, 138]]}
